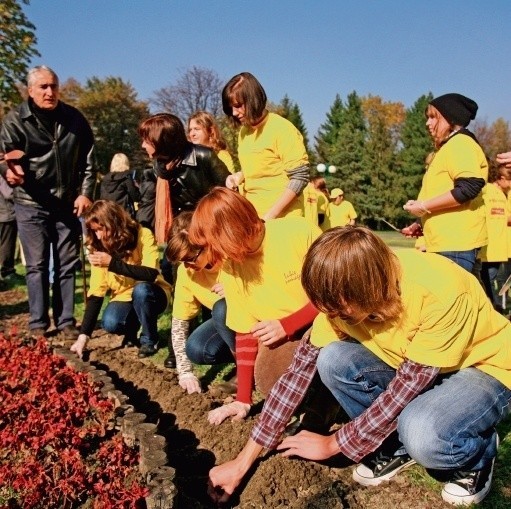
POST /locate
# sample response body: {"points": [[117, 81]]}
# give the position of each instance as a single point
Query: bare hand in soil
{"points": [[190, 383], [236, 410], [309, 445], [223, 480], [79, 345]]}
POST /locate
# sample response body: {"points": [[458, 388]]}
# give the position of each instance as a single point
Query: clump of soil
{"points": [[194, 446]]}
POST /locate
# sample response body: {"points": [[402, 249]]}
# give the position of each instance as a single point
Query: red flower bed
{"points": [[57, 445]]}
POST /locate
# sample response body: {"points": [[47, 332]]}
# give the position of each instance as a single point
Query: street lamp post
{"points": [[323, 168]]}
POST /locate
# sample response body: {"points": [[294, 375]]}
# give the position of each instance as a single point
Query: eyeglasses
{"points": [[194, 259]]}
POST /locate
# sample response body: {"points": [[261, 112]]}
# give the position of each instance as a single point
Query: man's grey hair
{"points": [[37, 69]]}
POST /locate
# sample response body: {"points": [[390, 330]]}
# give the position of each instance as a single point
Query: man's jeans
{"points": [[447, 427], [148, 302], [212, 342], [37, 230]]}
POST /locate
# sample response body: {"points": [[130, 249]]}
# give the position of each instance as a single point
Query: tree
{"points": [[291, 111], [328, 133], [348, 153], [416, 145], [383, 121], [196, 89], [17, 47], [114, 112], [495, 138]]}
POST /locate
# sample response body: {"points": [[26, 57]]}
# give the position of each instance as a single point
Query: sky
{"points": [[310, 50]]}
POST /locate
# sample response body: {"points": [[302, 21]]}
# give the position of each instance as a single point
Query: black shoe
{"points": [[146, 351], [170, 361], [70, 332], [469, 486], [129, 342], [380, 468]]}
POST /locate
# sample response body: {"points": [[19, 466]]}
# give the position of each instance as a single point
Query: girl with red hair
{"points": [[261, 264]]}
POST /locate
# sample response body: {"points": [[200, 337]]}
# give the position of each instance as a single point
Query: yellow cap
{"points": [[336, 192]]}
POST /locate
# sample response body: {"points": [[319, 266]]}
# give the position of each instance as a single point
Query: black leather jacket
{"points": [[58, 166], [199, 171]]}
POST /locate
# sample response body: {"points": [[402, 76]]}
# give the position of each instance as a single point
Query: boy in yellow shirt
{"points": [[420, 364], [340, 212]]}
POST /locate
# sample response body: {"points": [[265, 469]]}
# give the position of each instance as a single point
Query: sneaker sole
{"points": [[471, 499], [375, 481]]}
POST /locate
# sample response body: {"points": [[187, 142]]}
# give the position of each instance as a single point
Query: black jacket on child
{"points": [[118, 186]]}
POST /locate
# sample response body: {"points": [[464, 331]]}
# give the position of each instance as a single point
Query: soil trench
{"points": [[194, 445]]}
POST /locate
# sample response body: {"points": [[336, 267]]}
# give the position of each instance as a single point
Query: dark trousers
{"points": [[39, 229], [8, 235]]}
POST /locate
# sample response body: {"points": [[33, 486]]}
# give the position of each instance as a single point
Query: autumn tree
{"points": [[114, 112], [383, 124], [494, 138], [196, 89], [17, 47]]}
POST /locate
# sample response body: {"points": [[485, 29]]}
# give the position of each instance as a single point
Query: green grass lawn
{"points": [[395, 239]]}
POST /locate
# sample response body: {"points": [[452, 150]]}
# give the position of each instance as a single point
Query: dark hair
{"points": [[496, 171], [319, 183], [122, 230], [167, 134], [179, 245], [244, 89]]}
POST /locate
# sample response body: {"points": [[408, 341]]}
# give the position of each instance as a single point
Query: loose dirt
{"points": [[194, 446]]}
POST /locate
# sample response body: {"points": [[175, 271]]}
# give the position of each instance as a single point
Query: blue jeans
{"points": [[465, 259], [212, 342], [38, 229], [450, 426], [148, 302], [489, 271]]}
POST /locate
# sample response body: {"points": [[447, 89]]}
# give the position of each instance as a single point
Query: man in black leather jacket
{"points": [[53, 185]]}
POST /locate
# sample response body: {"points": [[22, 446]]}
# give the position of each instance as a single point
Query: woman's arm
{"points": [[465, 189], [298, 180], [187, 380], [286, 198], [89, 321], [136, 272]]}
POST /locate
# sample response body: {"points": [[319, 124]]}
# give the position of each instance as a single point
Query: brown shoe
{"points": [[228, 387]]}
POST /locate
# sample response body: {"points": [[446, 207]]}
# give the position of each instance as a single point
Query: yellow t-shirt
{"points": [[121, 287], [310, 199], [227, 159], [339, 215], [448, 322], [464, 227], [497, 211], [193, 289], [509, 227], [267, 286], [265, 153]]}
